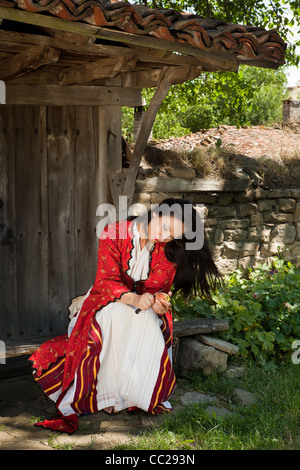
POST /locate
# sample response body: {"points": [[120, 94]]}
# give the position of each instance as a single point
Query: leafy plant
{"points": [[262, 309]]}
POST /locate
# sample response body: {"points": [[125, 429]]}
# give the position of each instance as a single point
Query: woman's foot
{"points": [[110, 410]]}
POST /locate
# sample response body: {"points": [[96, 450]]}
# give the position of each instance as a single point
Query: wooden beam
{"points": [[16, 41], [76, 95], [150, 78], [199, 326], [143, 79], [169, 75], [148, 121], [222, 58], [186, 185], [103, 68], [27, 61]]}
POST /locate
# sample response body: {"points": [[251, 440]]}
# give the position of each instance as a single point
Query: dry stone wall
{"points": [[245, 228]]}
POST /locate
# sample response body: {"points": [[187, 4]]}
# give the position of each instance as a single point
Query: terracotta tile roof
{"points": [[248, 43]]}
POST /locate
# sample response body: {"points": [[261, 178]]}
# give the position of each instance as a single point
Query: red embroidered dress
{"points": [[78, 370]]}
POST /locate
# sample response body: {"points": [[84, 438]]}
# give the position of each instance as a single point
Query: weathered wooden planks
{"points": [[8, 246], [175, 185], [52, 180], [27, 61], [87, 192], [199, 326], [49, 95]]}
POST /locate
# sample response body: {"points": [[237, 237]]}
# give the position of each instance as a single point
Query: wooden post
{"points": [[148, 121]]}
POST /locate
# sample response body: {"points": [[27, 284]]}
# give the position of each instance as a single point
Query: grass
{"points": [[221, 162], [272, 423]]}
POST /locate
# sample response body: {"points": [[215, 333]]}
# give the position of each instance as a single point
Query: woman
{"points": [[117, 353]]}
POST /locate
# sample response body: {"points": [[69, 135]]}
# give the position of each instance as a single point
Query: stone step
{"points": [[217, 343]]}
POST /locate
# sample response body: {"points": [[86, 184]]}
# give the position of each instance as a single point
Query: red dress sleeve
{"points": [[110, 283]]}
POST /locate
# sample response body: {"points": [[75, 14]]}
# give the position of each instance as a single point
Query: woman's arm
{"points": [[143, 301]]}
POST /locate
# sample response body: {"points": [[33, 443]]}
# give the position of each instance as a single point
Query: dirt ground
{"points": [[22, 401]]}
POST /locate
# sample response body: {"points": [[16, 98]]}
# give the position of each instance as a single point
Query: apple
{"points": [[162, 296]]}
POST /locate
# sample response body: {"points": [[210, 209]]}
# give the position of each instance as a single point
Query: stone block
{"points": [[296, 250], [298, 231], [226, 266], [223, 211], [267, 205], [278, 218], [240, 249], [286, 204], [218, 343], [256, 219], [297, 212], [259, 233], [278, 193], [233, 224], [209, 222], [285, 233], [194, 356], [244, 210], [235, 235]]}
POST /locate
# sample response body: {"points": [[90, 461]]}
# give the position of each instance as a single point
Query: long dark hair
{"points": [[196, 271]]}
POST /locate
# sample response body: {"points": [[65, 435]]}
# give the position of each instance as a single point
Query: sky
{"points": [[293, 75]]}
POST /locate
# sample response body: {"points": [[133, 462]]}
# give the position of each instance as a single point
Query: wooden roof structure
{"points": [[83, 41], [104, 52]]}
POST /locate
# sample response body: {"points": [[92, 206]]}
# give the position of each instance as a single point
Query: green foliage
{"points": [[262, 309], [251, 96]]}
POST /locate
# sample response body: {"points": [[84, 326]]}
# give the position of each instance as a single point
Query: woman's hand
{"points": [[161, 306], [144, 301]]}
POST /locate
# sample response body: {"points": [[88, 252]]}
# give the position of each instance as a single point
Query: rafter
{"points": [[103, 68], [27, 61]]}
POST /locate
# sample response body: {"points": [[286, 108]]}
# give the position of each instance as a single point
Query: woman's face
{"points": [[164, 228]]}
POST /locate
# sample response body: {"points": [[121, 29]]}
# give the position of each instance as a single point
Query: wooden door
{"points": [[52, 179]]}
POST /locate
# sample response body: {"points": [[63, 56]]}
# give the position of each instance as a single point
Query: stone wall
{"points": [[291, 110], [245, 228]]}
